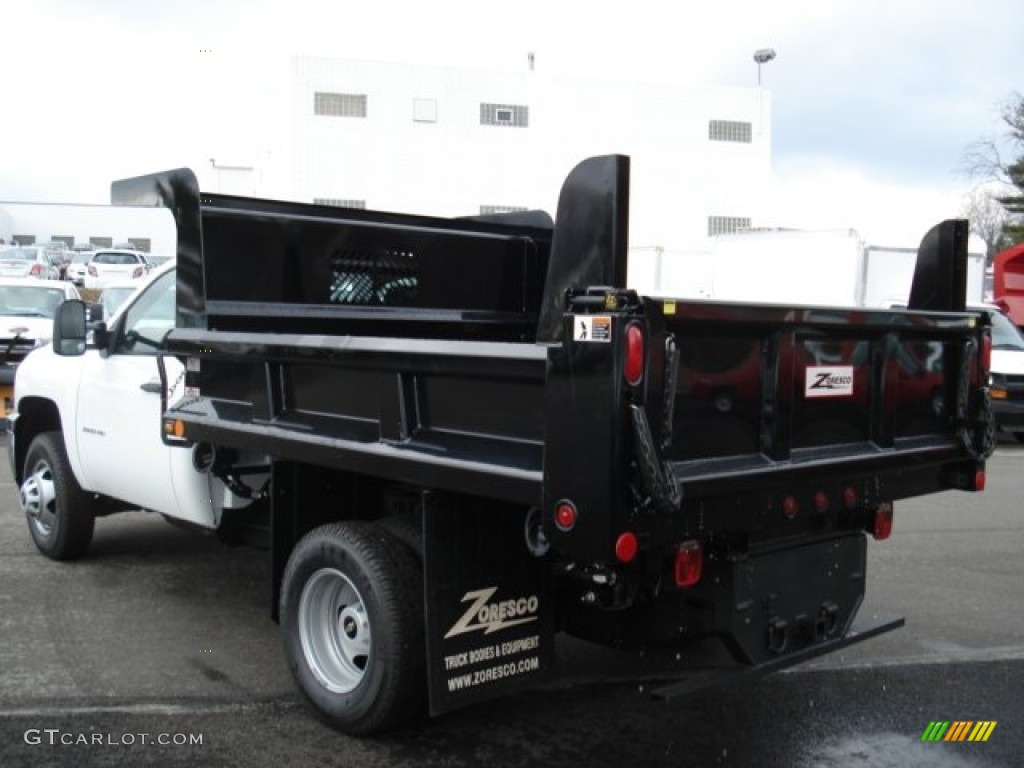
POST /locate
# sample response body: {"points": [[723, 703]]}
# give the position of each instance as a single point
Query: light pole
{"points": [[762, 56]]}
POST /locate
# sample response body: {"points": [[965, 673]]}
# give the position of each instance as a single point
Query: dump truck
{"points": [[464, 440]]}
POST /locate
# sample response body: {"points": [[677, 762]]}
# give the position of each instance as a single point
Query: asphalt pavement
{"points": [[158, 650]]}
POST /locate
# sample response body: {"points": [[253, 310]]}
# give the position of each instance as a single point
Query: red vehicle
{"points": [[1008, 282]]}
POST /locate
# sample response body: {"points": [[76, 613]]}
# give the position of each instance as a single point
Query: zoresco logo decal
{"points": [[958, 730], [828, 381], [486, 616]]}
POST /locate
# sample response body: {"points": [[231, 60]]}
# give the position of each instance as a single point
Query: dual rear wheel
{"points": [[352, 617]]}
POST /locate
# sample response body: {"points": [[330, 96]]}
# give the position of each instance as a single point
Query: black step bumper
{"points": [[716, 678]]}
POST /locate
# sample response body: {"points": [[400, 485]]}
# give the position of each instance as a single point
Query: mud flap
{"points": [[489, 611]]}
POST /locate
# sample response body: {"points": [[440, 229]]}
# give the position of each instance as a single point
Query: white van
{"points": [[1007, 380]]}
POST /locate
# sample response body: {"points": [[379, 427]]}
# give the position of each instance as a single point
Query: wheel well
{"points": [[35, 415], [306, 496]]}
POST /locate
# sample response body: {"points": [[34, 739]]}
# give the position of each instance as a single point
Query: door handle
{"points": [[150, 386]]}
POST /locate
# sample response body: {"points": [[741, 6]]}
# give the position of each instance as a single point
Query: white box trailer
{"points": [[788, 267], [675, 273], [805, 267], [888, 273]]}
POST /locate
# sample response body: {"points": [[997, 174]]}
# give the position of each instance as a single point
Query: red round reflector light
{"points": [[821, 501], [565, 515], [634, 370], [790, 506], [626, 547], [850, 497]]}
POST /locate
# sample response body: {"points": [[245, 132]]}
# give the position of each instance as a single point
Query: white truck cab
{"points": [[85, 435]]}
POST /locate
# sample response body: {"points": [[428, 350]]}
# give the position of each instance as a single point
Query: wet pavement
{"points": [[164, 632]]}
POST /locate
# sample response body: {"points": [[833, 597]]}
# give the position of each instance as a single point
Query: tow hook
{"points": [[778, 635], [828, 618], [821, 626]]}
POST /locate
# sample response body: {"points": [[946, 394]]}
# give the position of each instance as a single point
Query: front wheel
{"points": [[59, 513], [352, 618]]}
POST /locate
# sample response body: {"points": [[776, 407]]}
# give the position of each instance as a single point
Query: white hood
{"points": [[35, 327], [1009, 361]]}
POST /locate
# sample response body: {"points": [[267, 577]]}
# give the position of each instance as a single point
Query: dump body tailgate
{"points": [[746, 409], [763, 389]]}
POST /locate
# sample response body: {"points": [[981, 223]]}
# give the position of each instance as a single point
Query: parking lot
{"points": [[158, 649]]}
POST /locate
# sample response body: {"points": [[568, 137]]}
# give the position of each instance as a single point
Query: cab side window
{"points": [[149, 319]]}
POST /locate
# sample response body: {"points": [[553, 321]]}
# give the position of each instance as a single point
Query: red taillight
{"points": [[634, 370], [790, 506], [986, 353], [821, 501], [689, 563], [137, 273], [93, 272], [36, 269], [626, 547], [883, 521], [850, 497], [565, 515], [979, 480]]}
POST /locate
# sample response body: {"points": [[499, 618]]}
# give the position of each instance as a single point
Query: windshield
{"points": [[1005, 335], [21, 254], [29, 301], [115, 258], [113, 297]]}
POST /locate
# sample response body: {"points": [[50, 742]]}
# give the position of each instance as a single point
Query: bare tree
{"points": [[999, 160], [987, 216], [990, 158]]}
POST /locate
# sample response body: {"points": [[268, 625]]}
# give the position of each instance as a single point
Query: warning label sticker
{"points": [[592, 328]]}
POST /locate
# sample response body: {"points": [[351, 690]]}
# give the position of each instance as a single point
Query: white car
{"points": [[79, 266], [109, 266], [27, 307], [29, 261]]}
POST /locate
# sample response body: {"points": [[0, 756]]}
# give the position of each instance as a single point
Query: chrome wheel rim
{"points": [[39, 499], [334, 630]]}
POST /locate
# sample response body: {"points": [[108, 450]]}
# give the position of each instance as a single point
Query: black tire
{"points": [[59, 513], [1019, 436], [348, 588]]}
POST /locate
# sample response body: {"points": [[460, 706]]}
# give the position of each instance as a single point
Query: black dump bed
{"points": [[453, 354]]}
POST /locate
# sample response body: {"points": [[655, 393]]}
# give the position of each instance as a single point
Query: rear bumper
{"points": [[858, 633], [1009, 415]]}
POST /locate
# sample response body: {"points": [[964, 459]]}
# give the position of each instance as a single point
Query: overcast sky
{"points": [[873, 101]]}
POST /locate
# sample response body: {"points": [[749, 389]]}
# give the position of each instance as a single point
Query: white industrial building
{"points": [[452, 142]]}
